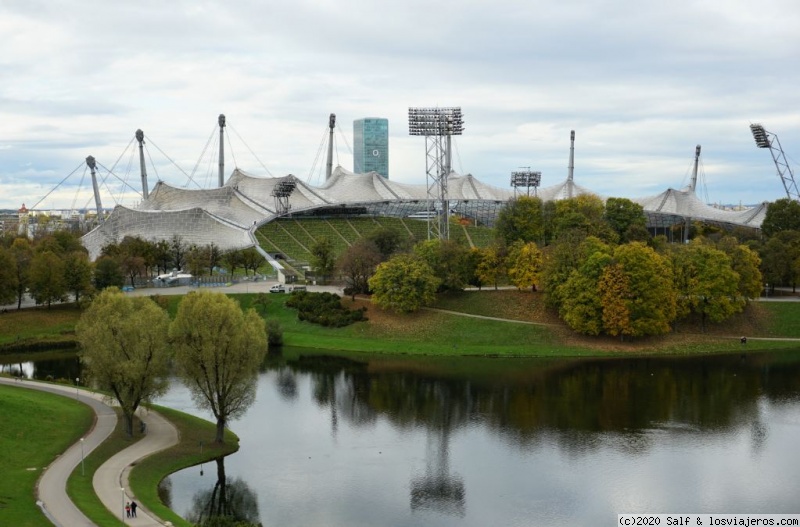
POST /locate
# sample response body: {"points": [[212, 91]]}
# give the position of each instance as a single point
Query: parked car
{"points": [[297, 288], [277, 288]]}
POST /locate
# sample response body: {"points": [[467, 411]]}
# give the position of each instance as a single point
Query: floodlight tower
{"points": [[92, 164], [438, 125], [526, 179], [221, 121], [140, 139], [765, 139], [329, 165], [281, 192]]}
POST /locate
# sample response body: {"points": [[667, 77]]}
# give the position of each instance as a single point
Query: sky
{"points": [[641, 83]]}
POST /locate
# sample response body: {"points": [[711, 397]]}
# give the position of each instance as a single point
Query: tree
{"points": [[77, 274], [581, 306], [47, 284], [107, 273], [388, 241], [22, 254], [625, 217], [218, 359], [746, 263], [649, 294], [8, 276], [492, 264], [615, 295], [403, 284], [705, 283], [782, 215], [323, 258], [357, 263], [232, 260], [251, 260], [178, 251], [125, 349], [780, 258], [520, 219], [524, 264], [449, 261]]}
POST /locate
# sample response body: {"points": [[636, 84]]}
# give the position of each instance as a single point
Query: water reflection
{"points": [[232, 500], [50, 366]]}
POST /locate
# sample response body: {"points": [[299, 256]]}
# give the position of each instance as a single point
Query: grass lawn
{"points": [[36, 428], [53, 325]]}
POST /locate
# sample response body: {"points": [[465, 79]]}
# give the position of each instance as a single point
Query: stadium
{"points": [[238, 214]]}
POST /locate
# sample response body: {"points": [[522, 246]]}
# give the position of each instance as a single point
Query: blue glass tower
{"points": [[371, 145]]}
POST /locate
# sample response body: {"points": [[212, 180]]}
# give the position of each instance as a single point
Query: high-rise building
{"points": [[371, 145]]}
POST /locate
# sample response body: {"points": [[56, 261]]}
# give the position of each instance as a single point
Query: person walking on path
{"points": [[133, 508], [128, 510]]}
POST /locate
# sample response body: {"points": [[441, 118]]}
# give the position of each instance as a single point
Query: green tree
{"points": [[8, 276], [218, 359], [521, 219], [387, 240], [232, 261], [404, 284], [625, 217], [705, 283], [107, 273], [251, 260], [449, 261], [77, 274], [323, 258], [584, 214], [47, 284], [125, 349], [357, 264], [22, 253], [524, 264], [746, 263], [782, 215], [779, 259], [561, 258]]}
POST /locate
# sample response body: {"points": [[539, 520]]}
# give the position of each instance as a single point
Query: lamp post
{"points": [[77, 394], [122, 490], [82, 470]]}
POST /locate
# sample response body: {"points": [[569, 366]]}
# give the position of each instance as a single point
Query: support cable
{"points": [[59, 184], [171, 161], [250, 150], [316, 158], [203, 153]]}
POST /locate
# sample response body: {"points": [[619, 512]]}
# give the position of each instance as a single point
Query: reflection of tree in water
{"points": [[231, 500], [582, 404], [287, 384]]}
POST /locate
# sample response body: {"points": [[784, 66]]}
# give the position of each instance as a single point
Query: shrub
{"points": [[324, 309]]}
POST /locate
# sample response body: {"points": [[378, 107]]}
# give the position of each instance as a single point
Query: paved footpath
{"points": [[112, 477]]}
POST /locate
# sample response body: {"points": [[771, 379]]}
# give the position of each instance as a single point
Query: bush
{"points": [[324, 309], [274, 333]]}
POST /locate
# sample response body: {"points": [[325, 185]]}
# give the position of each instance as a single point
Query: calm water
{"points": [[507, 442], [477, 442]]}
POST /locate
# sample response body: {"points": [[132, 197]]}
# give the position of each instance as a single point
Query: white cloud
{"points": [[640, 83]]}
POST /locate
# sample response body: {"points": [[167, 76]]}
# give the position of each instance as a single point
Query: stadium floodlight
{"points": [[526, 179], [435, 121], [281, 192], [760, 135]]}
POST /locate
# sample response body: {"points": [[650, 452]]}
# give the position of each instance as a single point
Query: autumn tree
{"points": [[581, 306], [404, 283], [746, 263], [357, 264], [491, 265], [218, 359], [524, 263], [650, 300], [626, 218], [615, 298], [125, 349]]}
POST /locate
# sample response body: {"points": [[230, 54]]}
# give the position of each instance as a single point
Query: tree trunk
{"points": [[220, 430], [128, 418]]}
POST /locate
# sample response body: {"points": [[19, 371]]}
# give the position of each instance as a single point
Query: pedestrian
{"points": [[133, 508], [128, 509]]}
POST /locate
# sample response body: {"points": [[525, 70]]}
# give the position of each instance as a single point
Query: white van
{"points": [[277, 288]]}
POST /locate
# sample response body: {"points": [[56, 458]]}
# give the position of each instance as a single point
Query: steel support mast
{"points": [[765, 139], [329, 165], [221, 121], [140, 139], [92, 164], [438, 125]]}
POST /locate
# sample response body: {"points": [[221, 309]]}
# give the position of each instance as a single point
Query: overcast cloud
{"points": [[641, 83]]}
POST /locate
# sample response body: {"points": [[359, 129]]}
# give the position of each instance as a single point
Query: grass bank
{"points": [[36, 428], [148, 473], [38, 328], [431, 332]]}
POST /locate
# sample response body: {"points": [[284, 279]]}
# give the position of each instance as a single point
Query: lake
{"points": [[398, 441]]}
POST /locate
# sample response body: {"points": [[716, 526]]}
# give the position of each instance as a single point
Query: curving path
{"points": [[112, 476]]}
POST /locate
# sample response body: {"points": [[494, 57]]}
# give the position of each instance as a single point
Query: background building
{"points": [[371, 146]]}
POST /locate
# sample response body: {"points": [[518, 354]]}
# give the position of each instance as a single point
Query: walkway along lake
{"points": [[393, 441]]}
